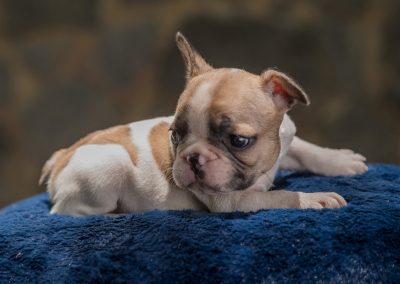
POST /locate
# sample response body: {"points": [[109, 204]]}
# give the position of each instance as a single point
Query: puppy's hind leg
{"points": [[305, 156], [73, 200], [93, 181]]}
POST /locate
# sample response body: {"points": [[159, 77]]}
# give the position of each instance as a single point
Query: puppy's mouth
{"points": [[199, 183]]}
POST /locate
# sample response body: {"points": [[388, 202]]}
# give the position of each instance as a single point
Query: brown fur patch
{"points": [[160, 147], [115, 135]]}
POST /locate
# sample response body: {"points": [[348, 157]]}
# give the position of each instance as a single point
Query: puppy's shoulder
{"points": [[151, 137]]}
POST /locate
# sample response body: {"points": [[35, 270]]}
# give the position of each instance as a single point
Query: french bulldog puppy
{"points": [[219, 152]]}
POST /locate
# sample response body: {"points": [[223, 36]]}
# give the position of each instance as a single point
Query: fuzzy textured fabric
{"points": [[359, 243]]}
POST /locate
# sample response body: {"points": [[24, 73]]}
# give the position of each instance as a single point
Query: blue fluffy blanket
{"points": [[356, 244]]}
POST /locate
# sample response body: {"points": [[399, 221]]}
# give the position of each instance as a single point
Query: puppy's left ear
{"points": [[195, 64], [284, 91]]}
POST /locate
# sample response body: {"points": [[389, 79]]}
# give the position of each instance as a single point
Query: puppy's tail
{"points": [[48, 167]]}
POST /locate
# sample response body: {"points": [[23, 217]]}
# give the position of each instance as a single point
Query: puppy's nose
{"points": [[200, 158], [193, 161], [196, 161]]}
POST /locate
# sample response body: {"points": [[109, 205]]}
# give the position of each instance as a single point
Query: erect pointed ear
{"points": [[284, 91], [195, 64]]}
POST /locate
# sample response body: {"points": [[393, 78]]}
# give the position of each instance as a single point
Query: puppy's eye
{"points": [[175, 137], [239, 142]]}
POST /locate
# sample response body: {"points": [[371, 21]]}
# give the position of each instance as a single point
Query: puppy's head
{"points": [[225, 133]]}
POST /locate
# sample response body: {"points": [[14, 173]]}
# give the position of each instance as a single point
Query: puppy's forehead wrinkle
{"points": [[225, 123]]}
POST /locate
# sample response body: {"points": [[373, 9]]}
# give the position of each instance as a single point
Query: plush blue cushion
{"points": [[356, 244]]}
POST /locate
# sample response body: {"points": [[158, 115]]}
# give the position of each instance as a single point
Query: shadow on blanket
{"points": [[356, 244]]}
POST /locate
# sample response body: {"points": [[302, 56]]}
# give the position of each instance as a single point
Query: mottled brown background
{"points": [[68, 67]]}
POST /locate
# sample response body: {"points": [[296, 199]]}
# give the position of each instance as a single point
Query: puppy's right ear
{"points": [[194, 63]]}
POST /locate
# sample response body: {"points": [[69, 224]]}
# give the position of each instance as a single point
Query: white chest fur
{"points": [[287, 132]]}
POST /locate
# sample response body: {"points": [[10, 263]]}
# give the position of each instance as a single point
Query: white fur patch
{"points": [[199, 104], [93, 180]]}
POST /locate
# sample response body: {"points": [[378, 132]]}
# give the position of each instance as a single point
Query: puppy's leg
{"points": [[72, 199], [93, 181], [253, 200], [304, 156]]}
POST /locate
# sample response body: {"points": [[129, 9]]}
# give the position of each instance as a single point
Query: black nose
{"points": [[193, 159]]}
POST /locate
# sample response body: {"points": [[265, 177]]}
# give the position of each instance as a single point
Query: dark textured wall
{"points": [[71, 67]]}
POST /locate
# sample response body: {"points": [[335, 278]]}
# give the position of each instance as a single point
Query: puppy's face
{"points": [[226, 129]]}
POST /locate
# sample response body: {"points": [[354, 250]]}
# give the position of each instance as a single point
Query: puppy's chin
{"points": [[201, 187]]}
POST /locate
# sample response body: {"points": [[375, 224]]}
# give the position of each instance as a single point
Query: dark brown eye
{"points": [[175, 137], [238, 141]]}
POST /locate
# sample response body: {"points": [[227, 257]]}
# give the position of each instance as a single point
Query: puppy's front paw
{"points": [[319, 200], [341, 162]]}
